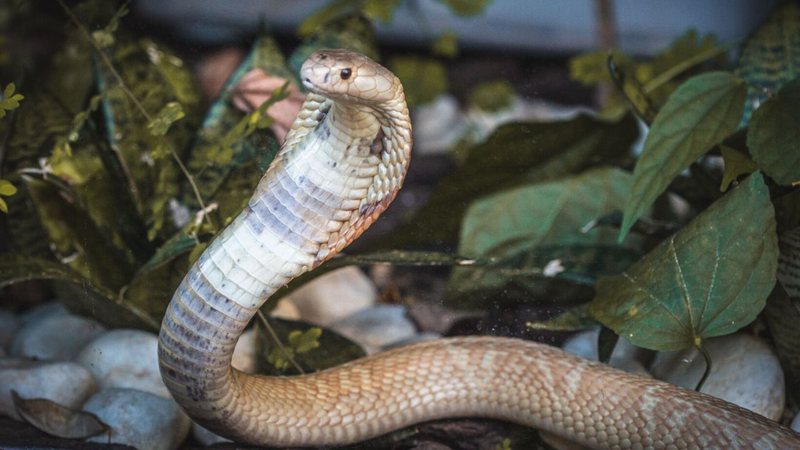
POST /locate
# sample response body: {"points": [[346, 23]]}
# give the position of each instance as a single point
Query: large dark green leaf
{"points": [[515, 154], [710, 279], [538, 236], [774, 135], [549, 212], [77, 238], [771, 57], [77, 292], [700, 113]]}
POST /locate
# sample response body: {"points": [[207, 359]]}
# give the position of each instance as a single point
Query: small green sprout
{"points": [[6, 189], [299, 342], [10, 99]]}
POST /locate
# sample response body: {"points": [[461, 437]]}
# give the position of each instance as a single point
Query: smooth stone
{"points": [[55, 337], [125, 358], [207, 437], [39, 312], [285, 309], [9, 324], [139, 418], [66, 383], [376, 327], [796, 423], [625, 356], [744, 371], [334, 296], [244, 354], [438, 125]]}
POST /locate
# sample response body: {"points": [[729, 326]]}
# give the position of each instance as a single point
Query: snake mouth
{"points": [[308, 84]]}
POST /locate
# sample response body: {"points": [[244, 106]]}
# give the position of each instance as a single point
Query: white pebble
{"points": [[334, 296], [125, 358], [54, 337], [376, 327], [9, 324], [139, 419]]}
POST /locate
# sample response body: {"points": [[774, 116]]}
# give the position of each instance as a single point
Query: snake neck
{"points": [[321, 192]]}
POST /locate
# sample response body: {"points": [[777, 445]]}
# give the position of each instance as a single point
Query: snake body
{"points": [[342, 164]]}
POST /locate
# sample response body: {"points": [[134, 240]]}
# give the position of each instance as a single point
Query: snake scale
{"points": [[343, 162]]}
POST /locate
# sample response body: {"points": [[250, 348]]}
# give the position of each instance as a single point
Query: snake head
{"points": [[348, 76]]}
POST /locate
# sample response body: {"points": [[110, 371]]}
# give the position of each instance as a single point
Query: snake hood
{"points": [[342, 75]]}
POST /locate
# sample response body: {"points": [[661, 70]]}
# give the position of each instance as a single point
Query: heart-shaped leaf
{"points": [[710, 279]]}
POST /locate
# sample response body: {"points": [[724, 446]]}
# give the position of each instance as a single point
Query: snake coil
{"points": [[341, 165]]}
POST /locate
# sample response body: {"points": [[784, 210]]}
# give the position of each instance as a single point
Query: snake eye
{"points": [[345, 73]]}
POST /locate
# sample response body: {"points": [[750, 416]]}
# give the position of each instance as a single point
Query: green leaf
{"points": [[10, 100], [771, 56], [328, 13], [446, 45], [423, 78], [6, 188], [515, 154], [382, 10], [736, 164], [539, 235], [700, 113], [78, 293], [552, 212], [77, 238], [774, 135], [177, 245], [304, 341], [710, 279], [466, 7], [591, 68], [169, 114], [492, 96]]}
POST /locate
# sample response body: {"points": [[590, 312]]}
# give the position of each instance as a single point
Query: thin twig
{"points": [[278, 342]]}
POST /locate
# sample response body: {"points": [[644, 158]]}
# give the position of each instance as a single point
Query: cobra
{"points": [[343, 162]]}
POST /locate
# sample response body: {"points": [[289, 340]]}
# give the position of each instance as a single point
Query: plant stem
{"points": [[707, 357]]}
